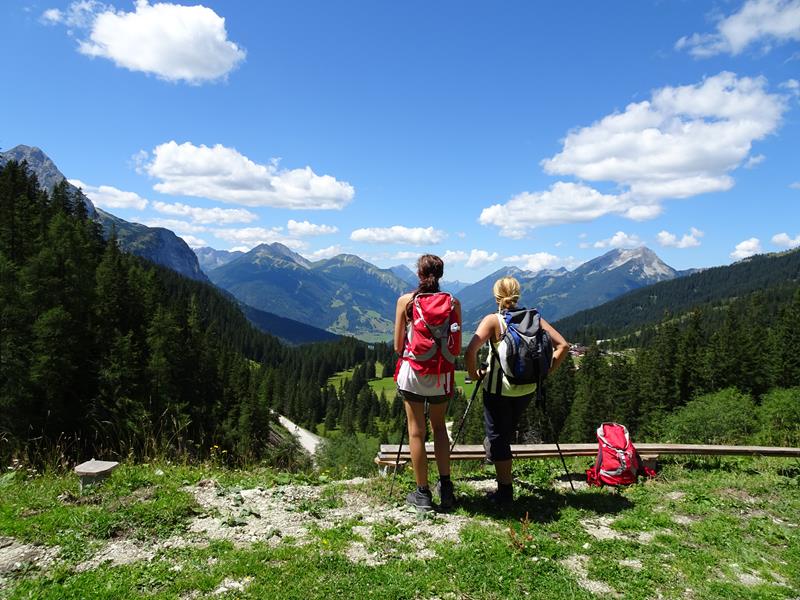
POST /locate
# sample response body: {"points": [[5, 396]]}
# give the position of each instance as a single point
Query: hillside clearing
{"points": [[722, 528]]}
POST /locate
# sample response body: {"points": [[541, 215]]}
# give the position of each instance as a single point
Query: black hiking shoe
{"points": [[422, 500], [502, 496], [447, 499]]}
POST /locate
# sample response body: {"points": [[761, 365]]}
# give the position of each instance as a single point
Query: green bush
{"points": [[348, 455], [724, 417], [779, 417]]}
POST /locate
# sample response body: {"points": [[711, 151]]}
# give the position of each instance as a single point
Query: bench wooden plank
{"points": [[388, 452]]}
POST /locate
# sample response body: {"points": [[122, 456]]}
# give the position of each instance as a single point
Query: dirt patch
{"points": [[740, 495], [233, 585], [294, 511], [746, 577], [684, 519], [578, 484], [358, 553], [120, 552], [15, 556], [482, 485], [577, 564], [631, 563], [674, 495], [600, 529]]}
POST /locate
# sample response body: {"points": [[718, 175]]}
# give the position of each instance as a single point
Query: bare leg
{"points": [[503, 468], [415, 413], [441, 443]]}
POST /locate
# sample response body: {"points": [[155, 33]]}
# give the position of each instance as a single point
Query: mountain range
{"points": [[347, 295], [559, 292], [160, 245], [344, 294]]}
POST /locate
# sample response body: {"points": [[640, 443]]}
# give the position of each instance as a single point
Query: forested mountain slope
{"points": [[648, 305], [343, 294], [157, 244], [102, 349]]}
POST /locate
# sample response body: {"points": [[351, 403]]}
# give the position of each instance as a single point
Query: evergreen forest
{"points": [[104, 353]]}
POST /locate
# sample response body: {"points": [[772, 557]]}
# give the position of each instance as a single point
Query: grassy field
{"points": [[703, 529]]}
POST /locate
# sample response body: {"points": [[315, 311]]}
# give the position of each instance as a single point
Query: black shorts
{"points": [[501, 415], [412, 397]]}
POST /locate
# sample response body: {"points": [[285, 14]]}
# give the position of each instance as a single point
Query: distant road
{"points": [[309, 441]]}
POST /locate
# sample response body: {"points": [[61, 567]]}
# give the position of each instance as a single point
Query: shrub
{"points": [[724, 417], [779, 417], [348, 455]]}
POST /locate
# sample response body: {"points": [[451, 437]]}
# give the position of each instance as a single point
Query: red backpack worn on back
{"points": [[434, 339], [618, 462]]}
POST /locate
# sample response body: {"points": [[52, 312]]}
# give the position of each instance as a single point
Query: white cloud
{"points": [[454, 256], [746, 248], [682, 142], [754, 160], [795, 185], [689, 240], [783, 240], [398, 234], [328, 252], [223, 174], [792, 85], [535, 262], [217, 216], [106, 196], [619, 240], [194, 242], [248, 237], [764, 22], [304, 228], [78, 15], [473, 260], [563, 203], [480, 258], [175, 225], [172, 41]]}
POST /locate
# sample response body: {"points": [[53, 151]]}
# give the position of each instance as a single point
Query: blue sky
{"points": [[535, 134]]}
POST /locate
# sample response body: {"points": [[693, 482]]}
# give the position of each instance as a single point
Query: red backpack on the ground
{"points": [[435, 337], [618, 462]]}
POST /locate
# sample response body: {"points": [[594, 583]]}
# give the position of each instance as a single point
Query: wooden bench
{"points": [[650, 452], [94, 471]]}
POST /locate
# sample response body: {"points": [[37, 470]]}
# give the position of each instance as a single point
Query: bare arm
{"points": [[560, 345], [488, 329], [400, 323]]}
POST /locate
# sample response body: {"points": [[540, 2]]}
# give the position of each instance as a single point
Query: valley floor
{"points": [[708, 529]]}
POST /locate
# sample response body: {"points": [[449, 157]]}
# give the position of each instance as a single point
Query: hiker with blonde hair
{"points": [[427, 336], [504, 402]]}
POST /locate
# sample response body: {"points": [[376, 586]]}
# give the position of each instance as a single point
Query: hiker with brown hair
{"points": [[427, 336], [504, 402]]}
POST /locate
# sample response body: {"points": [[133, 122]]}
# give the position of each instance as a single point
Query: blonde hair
{"points": [[506, 292]]}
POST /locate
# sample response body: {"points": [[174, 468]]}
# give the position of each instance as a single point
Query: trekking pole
{"points": [[397, 460], [563, 462], [541, 393], [469, 404]]}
